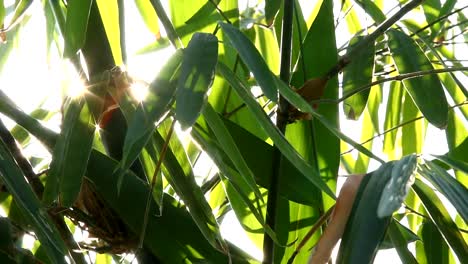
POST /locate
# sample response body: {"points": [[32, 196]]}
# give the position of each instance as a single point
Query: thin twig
{"points": [[220, 11], [396, 127], [153, 182], [438, 20], [358, 47], [400, 77], [309, 234]]}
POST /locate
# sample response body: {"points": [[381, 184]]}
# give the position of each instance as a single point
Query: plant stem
{"points": [[281, 122], [396, 127], [400, 77], [43, 134], [358, 47]]}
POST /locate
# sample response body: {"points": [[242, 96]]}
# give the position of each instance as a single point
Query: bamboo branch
{"points": [[281, 122], [396, 127], [400, 77], [358, 47]]}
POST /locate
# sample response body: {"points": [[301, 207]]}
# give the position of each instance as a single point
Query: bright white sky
{"points": [[29, 82]]}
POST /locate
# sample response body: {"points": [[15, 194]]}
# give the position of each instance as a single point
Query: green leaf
{"points": [[148, 14], [70, 155], [412, 132], [454, 163], [167, 24], [409, 57], [180, 176], [109, 12], [161, 93], [20, 9], [196, 77], [296, 100], [314, 63], [392, 117], [188, 243], [271, 9], [259, 155], [288, 151], [206, 10], [76, 25], [356, 74], [228, 145], [435, 248], [30, 206], [397, 187], [253, 60], [455, 192], [237, 191], [371, 8], [21, 135], [442, 219], [400, 244], [155, 46], [2, 12], [407, 235], [365, 230]]}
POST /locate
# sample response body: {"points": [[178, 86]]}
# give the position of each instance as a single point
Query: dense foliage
{"points": [[255, 93]]}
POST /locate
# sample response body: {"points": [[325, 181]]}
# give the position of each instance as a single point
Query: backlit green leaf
{"points": [[161, 93], [30, 207], [70, 155], [426, 91], [196, 77], [253, 60], [288, 151], [356, 74], [76, 25], [455, 192], [442, 219], [109, 11]]}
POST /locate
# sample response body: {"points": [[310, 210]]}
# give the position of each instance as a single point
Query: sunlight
{"points": [[76, 88], [139, 90]]}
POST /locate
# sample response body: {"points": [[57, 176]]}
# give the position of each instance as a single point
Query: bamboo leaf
{"points": [[188, 243], [372, 9], [455, 192], [406, 233], [258, 155], [76, 25], [358, 73], [397, 187], [442, 220], [226, 142], [30, 207], [365, 230], [180, 176], [204, 11], [109, 12], [409, 57], [288, 151], [435, 248], [253, 60], [148, 14], [196, 77], [296, 100], [161, 93], [454, 163], [166, 22], [271, 9], [401, 245], [20, 9], [392, 116], [70, 155]]}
